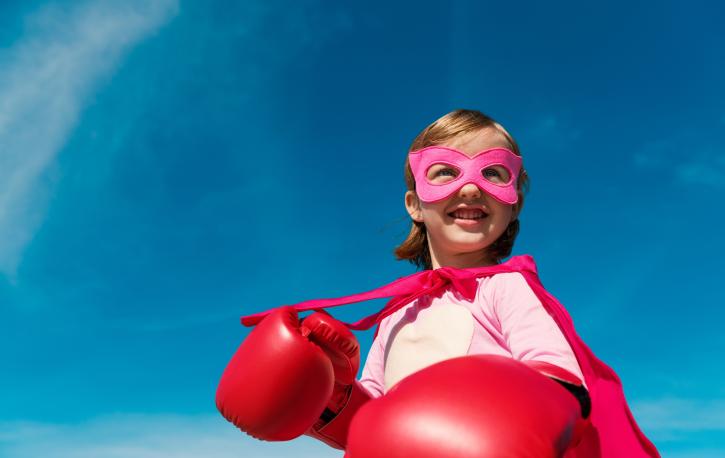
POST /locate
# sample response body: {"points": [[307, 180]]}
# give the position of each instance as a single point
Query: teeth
{"points": [[469, 214]]}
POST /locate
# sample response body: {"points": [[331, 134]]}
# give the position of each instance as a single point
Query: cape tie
{"points": [[404, 290]]}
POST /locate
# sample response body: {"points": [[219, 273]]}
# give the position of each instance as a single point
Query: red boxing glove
{"points": [[469, 407], [289, 378], [278, 382]]}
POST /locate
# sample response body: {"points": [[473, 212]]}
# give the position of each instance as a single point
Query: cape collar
{"points": [[406, 289]]}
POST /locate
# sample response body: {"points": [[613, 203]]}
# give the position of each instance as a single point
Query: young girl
{"points": [[466, 186], [468, 227]]}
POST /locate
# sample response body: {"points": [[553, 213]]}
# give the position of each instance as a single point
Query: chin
{"points": [[469, 244]]}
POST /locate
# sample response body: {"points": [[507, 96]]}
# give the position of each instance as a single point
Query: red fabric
{"points": [[615, 432]]}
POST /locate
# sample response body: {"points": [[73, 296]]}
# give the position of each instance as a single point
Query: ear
{"points": [[412, 205], [516, 210]]}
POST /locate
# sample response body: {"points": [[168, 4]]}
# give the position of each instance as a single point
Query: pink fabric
{"points": [[509, 321], [404, 290], [469, 169], [615, 432]]}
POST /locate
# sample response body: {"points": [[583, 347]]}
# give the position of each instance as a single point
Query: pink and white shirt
{"points": [[505, 318]]}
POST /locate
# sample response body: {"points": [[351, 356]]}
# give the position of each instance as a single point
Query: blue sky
{"points": [[170, 165]]}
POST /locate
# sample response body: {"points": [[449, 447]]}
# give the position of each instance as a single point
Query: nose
{"points": [[469, 191]]}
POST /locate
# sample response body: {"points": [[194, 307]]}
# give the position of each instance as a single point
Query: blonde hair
{"points": [[415, 247]]}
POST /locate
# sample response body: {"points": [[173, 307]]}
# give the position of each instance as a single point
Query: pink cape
{"points": [[614, 434]]}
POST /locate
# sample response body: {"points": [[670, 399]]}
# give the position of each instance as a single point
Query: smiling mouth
{"points": [[473, 214]]}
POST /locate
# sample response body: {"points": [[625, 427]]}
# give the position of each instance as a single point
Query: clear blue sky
{"points": [[169, 165]]}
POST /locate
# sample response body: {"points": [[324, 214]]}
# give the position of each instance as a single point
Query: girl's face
{"points": [[461, 226]]}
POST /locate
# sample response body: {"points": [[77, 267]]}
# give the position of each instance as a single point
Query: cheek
{"points": [[432, 218], [432, 210], [503, 212]]}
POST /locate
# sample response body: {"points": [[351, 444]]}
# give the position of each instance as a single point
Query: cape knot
{"points": [[462, 281], [433, 279]]}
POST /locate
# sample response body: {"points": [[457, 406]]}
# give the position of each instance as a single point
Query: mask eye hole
{"points": [[442, 173], [496, 174]]}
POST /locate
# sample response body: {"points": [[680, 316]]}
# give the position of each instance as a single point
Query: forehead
{"points": [[478, 140]]}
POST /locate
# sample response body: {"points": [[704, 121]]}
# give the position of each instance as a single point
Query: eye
{"points": [[496, 174], [441, 173], [446, 172]]}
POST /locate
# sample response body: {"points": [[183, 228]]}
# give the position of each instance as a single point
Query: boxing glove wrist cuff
{"points": [[333, 432], [569, 381]]}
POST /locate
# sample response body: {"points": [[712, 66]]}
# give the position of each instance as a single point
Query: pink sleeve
{"points": [[529, 331], [373, 374]]}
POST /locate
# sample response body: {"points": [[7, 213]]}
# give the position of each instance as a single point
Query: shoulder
{"points": [[502, 283], [508, 293], [509, 278], [496, 290]]}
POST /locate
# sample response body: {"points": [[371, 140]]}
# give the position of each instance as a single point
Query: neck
{"points": [[460, 260]]}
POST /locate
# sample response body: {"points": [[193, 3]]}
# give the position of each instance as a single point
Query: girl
{"points": [[467, 228], [466, 186]]}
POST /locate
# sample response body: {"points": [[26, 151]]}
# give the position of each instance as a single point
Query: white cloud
{"points": [[47, 77], [148, 436], [708, 170], [681, 427], [667, 421], [684, 160], [698, 453], [550, 132], [671, 415]]}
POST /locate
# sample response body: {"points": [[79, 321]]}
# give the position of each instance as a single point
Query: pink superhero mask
{"points": [[440, 171]]}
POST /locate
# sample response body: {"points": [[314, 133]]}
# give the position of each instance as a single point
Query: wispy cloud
{"points": [[47, 77], [708, 169], [684, 162], [698, 453], [670, 422], [550, 132], [147, 436], [684, 428], [681, 415]]}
